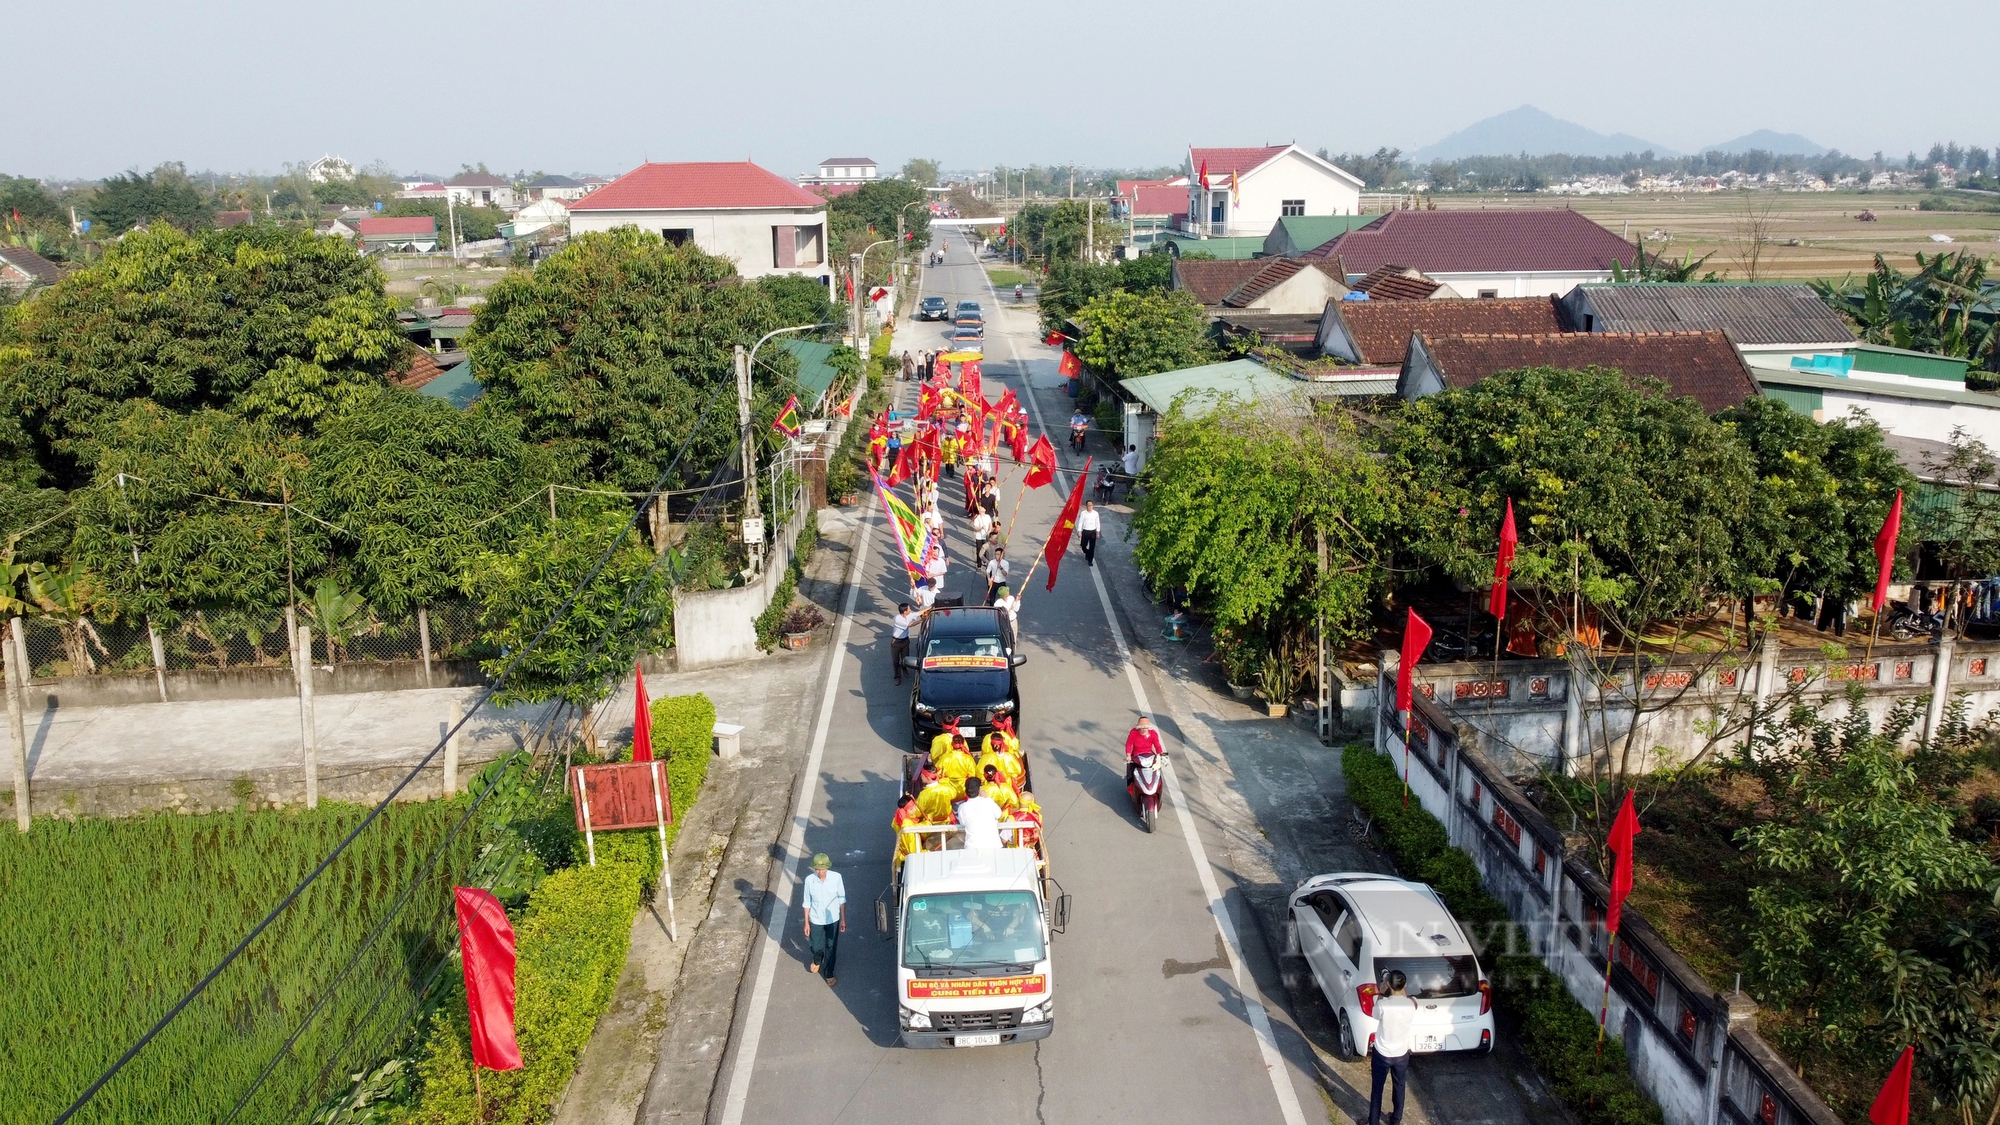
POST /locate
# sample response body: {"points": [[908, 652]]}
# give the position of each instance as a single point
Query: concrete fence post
{"points": [[424, 640], [16, 724], [308, 733], [454, 717], [1940, 688], [159, 658]]}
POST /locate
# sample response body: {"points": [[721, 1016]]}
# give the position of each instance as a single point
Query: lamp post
{"points": [[754, 546], [856, 265]]}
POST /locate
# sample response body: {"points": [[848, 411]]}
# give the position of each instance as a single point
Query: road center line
{"points": [[777, 909], [1218, 907]]}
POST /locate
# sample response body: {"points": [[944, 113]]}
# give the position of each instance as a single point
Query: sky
{"points": [[602, 85]]}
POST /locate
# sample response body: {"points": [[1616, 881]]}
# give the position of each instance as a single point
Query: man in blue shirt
{"points": [[826, 916]]}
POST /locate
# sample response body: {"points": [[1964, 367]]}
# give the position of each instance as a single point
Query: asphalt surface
{"points": [[1150, 1018]]}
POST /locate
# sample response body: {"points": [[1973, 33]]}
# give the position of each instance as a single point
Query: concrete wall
{"points": [[743, 236], [1693, 1049], [107, 690], [1517, 283]]}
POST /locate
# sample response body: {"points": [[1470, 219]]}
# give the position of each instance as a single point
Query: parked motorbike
{"points": [[1076, 437], [1906, 623], [1146, 787]]}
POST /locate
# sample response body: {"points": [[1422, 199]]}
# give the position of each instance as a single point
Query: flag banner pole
{"points": [[1604, 1006], [1406, 757], [666, 869]]}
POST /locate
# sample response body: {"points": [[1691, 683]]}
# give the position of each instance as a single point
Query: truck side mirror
{"points": [[1018, 659], [1061, 920], [881, 917]]}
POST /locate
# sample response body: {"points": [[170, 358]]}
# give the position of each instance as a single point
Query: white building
{"points": [[766, 223], [1512, 253], [844, 170], [329, 168], [543, 213], [480, 189], [556, 187], [1245, 191]]}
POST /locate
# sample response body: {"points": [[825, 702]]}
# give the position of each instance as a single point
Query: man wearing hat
{"points": [[826, 916]]}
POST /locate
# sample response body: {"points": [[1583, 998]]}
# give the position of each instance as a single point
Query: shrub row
{"points": [[771, 621], [1559, 1034]]}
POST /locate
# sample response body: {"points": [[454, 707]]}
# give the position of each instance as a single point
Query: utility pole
{"points": [[17, 679], [753, 544], [1089, 221], [451, 221], [308, 730], [854, 305]]}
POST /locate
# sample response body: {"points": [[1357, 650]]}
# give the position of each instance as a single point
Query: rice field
{"points": [[105, 924]]}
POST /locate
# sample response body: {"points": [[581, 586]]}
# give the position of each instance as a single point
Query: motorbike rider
{"points": [[1143, 738], [1079, 424]]}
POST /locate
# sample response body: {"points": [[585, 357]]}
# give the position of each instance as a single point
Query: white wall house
{"points": [[535, 217], [1249, 189], [855, 170], [481, 189], [764, 222], [1515, 253]]}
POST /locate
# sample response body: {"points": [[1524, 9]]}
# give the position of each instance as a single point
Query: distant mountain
{"points": [[1529, 130], [1783, 143]]}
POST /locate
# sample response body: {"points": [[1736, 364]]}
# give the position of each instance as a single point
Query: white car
{"points": [[1355, 926]]}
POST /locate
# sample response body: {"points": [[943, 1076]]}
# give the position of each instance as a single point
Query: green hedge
{"points": [[570, 947], [774, 614], [683, 734], [1559, 1034]]}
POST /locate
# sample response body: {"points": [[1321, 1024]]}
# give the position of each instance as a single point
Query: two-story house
{"points": [[766, 223], [1243, 192]]}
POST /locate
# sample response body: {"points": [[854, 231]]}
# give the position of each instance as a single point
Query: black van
{"points": [[965, 664]]}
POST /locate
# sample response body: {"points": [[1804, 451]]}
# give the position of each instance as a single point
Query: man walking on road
{"points": [[1088, 522], [826, 920], [1396, 1016], [899, 637], [996, 575], [982, 527]]}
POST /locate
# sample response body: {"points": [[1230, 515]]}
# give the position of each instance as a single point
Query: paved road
{"points": [[1150, 1017]]}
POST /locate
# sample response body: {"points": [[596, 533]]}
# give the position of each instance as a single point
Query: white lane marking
{"points": [[777, 910], [1218, 908]]}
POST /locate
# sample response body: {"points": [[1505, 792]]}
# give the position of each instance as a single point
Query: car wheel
{"points": [[1347, 1050]]}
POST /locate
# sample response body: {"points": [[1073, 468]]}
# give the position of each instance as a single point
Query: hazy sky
{"points": [[599, 85]]}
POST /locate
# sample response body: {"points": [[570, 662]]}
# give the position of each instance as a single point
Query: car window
{"points": [[1327, 907], [1432, 978], [1348, 936]]}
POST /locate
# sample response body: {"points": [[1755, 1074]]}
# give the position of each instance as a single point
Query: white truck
{"points": [[972, 929]]}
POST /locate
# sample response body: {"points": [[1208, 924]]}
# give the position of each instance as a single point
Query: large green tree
{"points": [[164, 194], [868, 214], [618, 351], [798, 300], [1127, 335]]}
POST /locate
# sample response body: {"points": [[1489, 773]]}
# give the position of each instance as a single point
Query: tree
{"points": [[1068, 286], [1946, 307], [166, 194], [798, 300], [1657, 268], [1384, 169], [1127, 335], [475, 224], [32, 201], [922, 173], [616, 352], [1754, 219], [868, 214]]}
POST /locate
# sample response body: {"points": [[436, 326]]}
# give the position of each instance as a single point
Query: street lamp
{"points": [[754, 544], [856, 264]]}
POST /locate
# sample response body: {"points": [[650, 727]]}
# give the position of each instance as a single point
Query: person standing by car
{"points": [[826, 917], [899, 637], [1396, 1017], [996, 575], [1087, 523]]}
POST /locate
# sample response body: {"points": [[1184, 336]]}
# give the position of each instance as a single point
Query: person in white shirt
{"points": [[934, 520], [1131, 461], [979, 819], [982, 527], [926, 597], [1010, 618], [934, 570], [1087, 524], [1395, 1021], [996, 575], [899, 637]]}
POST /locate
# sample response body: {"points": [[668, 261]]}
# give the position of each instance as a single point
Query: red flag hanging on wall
{"points": [[642, 720], [1416, 638], [1070, 365], [1885, 550], [1052, 551], [1623, 829], [486, 943], [1041, 463], [1892, 1105], [1503, 564]]}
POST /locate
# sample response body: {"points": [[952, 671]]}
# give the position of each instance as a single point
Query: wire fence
{"points": [[83, 647]]}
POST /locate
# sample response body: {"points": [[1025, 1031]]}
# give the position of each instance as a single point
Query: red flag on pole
{"points": [[1892, 1105], [850, 288], [1053, 339], [1416, 638], [1623, 829], [1052, 552], [1503, 564], [1885, 550], [1204, 175], [1017, 441], [1041, 463], [1070, 365], [486, 943], [642, 720], [1008, 406]]}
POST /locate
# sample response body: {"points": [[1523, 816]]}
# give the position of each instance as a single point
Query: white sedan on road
{"points": [[1356, 926]]}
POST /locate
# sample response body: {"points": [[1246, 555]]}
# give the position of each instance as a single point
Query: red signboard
{"points": [[970, 989], [620, 795]]}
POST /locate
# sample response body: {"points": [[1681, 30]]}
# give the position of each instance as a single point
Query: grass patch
{"points": [[1005, 277]]}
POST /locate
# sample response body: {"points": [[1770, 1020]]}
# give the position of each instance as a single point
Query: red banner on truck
{"points": [[972, 989]]}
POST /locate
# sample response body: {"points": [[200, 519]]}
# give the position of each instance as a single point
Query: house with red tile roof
{"points": [[1523, 252], [1704, 366], [734, 209], [1245, 191], [1376, 332], [416, 233], [1152, 207]]}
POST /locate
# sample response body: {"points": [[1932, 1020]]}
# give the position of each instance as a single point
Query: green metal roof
{"points": [[1804, 377], [1232, 249], [1310, 232], [1901, 361], [816, 370], [1244, 379], [456, 386]]}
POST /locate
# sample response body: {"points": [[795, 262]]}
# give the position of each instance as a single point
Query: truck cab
{"points": [[972, 930]]}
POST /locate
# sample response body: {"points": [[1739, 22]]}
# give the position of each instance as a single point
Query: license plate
{"points": [[1429, 1043], [976, 1041]]}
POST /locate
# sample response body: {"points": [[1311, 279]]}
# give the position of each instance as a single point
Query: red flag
{"points": [[1503, 564], [1623, 829], [876, 294], [1416, 638], [1053, 339], [486, 944], [929, 398], [1041, 463], [1052, 551], [1204, 175], [850, 287], [642, 720], [968, 382], [1008, 406], [906, 463], [1892, 1105], [1885, 550], [1070, 365]]}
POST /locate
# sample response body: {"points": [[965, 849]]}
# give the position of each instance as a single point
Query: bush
{"points": [[683, 727], [1558, 1033], [773, 616]]}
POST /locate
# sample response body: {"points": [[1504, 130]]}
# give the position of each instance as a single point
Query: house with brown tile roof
{"points": [[1273, 285], [1378, 332], [22, 269], [1401, 283], [1522, 252], [1704, 366]]}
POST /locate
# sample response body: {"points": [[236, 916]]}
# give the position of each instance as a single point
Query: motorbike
{"points": [[1076, 436], [1146, 788], [1906, 623], [1017, 292]]}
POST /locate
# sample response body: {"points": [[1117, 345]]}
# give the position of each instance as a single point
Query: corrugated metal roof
{"points": [[816, 370], [1310, 232], [1751, 314], [456, 386], [1800, 377], [1208, 384]]}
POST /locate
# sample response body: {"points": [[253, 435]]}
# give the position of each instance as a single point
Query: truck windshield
{"points": [[1432, 978], [973, 930]]}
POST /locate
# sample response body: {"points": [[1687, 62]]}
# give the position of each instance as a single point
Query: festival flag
{"points": [[850, 288], [929, 398], [1416, 638], [1052, 551], [1892, 1105], [787, 421], [1053, 339], [1885, 550], [908, 530], [1042, 463], [876, 294], [905, 464], [968, 382], [1204, 175], [1623, 829], [1008, 406], [1503, 564], [642, 720], [486, 945], [1070, 365]]}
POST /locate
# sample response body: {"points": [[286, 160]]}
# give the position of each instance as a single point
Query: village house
{"points": [[555, 187], [1377, 333], [1401, 283], [21, 269], [764, 222], [1271, 285], [1704, 366], [849, 172], [1512, 253], [414, 234], [1241, 192], [535, 217], [480, 189]]}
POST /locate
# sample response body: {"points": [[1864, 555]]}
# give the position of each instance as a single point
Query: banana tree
{"points": [[1945, 307], [339, 615], [1658, 268], [65, 599]]}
